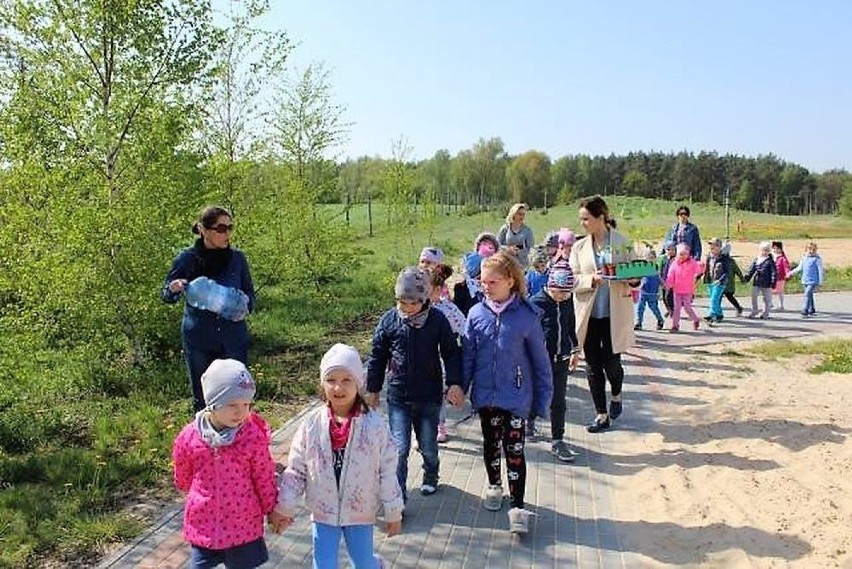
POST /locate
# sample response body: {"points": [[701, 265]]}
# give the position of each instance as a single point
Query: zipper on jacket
{"points": [[346, 457], [216, 468], [494, 359], [559, 328]]}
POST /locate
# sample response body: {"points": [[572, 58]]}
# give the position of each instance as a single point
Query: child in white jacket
{"points": [[343, 460]]}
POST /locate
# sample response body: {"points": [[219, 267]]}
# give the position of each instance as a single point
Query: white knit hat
{"points": [[346, 358]]}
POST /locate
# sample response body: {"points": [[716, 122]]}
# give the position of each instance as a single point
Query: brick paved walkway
{"points": [[575, 525]]}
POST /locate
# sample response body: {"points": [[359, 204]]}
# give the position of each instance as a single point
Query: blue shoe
{"points": [[615, 410]]}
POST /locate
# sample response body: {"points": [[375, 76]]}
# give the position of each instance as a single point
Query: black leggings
{"points": [[557, 405], [733, 300], [601, 363], [502, 430], [668, 300]]}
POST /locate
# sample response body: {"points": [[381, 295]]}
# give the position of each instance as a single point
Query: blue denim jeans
{"points": [[809, 307], [423, 418], [359, 545], [651, 301]]}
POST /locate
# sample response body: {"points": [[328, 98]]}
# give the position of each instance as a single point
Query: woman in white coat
{"points": [[603, 307]]}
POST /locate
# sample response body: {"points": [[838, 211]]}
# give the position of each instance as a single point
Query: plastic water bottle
{"points": [[228, 302]]}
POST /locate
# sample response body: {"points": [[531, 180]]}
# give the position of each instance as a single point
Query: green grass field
{"points": [[80, 462]]}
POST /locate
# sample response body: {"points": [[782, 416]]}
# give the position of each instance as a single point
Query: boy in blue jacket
{"points": [[557, 323], [649, 295], [409, 343]]}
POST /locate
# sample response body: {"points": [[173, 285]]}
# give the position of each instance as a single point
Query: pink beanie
{"points": [[567, 236]]}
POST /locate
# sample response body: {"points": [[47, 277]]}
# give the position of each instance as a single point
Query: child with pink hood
{"points": [[681, 278]]}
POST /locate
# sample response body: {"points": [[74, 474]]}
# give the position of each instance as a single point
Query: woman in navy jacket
{"points": [[206, 335], [684, 231]]}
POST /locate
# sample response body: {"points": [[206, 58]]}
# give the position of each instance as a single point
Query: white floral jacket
{"points": [[367, 481]]}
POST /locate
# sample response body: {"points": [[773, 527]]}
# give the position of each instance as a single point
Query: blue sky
{"points": [[748, 77]]}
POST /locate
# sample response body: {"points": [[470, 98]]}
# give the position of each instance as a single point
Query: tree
{"points": [[102, 99], [247, 63], [528, 177], [301, 240], [636, 183], [488, 168]]}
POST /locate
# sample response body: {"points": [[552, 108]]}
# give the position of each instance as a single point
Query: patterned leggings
{"points": [[502, 430]]}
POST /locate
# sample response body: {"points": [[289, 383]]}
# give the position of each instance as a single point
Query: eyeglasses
{"points": [[222, 228]]}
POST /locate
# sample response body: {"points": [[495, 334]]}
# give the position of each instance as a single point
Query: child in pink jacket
{"points": [[223, 464], [681, 278]]}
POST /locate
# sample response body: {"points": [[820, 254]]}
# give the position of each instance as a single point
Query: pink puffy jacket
{"points": [[228, 489], [682, 275]]}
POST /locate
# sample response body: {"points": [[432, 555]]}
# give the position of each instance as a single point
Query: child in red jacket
{"points": [[223, 464]]}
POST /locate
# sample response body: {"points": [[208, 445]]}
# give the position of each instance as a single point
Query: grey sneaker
{"points": [[562, 451], [493, 497], [519, 520]]}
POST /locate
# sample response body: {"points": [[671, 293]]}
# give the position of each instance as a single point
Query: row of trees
{"points": [[119, 120], [486, 174]]}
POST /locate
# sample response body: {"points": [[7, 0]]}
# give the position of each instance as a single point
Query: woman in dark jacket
{"points": [[206, 334], [684, 231]]}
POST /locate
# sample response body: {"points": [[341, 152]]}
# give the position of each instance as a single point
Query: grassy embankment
{"points": [[72, 459]]}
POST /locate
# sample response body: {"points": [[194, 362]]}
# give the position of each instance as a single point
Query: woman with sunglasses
{"points": [[684, 231], [210, 333]]}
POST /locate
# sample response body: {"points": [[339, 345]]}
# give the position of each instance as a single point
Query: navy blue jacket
{"points": [[201, 328], [718, 273], [690, 236], [557, 323], [412, 358], [764, 273], [506, 361]]}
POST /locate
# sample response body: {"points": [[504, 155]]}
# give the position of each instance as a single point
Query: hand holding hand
{"points": [[393, 528], [279, 522], [455, 395], [572, 362], [372, 400]]}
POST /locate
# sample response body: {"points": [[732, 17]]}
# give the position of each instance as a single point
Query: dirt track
{"points": [[834, 252]]}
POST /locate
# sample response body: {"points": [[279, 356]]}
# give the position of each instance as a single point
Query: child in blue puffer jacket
{"points": [[507, 368]]}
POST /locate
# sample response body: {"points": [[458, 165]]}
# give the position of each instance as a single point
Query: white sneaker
{"points": [[519, 520], [494, 497]]}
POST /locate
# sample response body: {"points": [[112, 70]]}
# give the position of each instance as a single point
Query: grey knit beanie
{"points": [[226, 381], [412, 284]]}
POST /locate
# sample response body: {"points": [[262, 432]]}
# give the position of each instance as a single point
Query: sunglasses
{"points": [[683, 213], [223, 228]]}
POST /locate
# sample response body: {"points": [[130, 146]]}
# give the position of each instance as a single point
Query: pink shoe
{"points": [[442, 433], [695, 324]]}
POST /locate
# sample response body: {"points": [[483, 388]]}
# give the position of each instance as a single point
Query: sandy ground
{"points": [[748, 462], [758, 465], [834, 252]]}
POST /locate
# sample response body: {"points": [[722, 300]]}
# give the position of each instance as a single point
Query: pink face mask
{"points": [[486, 249]]}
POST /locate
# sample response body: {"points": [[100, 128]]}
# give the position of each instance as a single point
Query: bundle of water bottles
{"points": [[226, 301]]}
